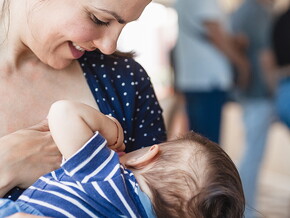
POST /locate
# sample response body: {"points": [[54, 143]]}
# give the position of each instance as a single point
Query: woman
{"points": [[48, 52]]}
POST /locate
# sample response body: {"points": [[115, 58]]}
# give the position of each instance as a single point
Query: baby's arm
{"points": [[72, 124]]}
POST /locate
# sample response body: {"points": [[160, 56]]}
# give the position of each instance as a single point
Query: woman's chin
{"points": [[60, 65]]}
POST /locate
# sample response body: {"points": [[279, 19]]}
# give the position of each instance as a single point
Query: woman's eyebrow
{"points": [[114, 14]]}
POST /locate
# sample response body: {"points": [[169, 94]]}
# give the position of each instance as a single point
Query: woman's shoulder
{"points": [[113, 67], [118, 60]]}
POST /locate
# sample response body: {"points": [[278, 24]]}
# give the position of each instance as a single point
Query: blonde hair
{"points": [[194, 177]]}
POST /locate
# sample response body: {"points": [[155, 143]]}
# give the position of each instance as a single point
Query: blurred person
{"points": [[281, 47], [252, 21], [177, 122], [202, 57]]}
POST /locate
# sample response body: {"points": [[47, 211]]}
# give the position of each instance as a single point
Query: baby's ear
{"points": [[143, 160]]}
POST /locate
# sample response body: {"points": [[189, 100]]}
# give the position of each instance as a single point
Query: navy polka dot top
{"points": [[122, 89]]}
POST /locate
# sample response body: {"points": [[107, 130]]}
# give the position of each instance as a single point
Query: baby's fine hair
{"points": [[193, 177]]}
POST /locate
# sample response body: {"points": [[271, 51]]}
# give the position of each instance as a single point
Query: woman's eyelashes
{"points": [[98, 21]]}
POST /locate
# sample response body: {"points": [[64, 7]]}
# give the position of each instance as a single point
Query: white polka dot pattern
{"points": [[123, 89]]}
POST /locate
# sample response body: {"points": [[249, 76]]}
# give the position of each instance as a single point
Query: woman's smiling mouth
{"points": [[78, 47], [76, 50]]}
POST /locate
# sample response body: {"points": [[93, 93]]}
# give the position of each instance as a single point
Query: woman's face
{"points": [[62, 30]]}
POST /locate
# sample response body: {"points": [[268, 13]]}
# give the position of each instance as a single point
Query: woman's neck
{"points": [[13, 51]]}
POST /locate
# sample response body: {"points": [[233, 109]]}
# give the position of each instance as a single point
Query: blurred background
{"points": [[152, 38]]}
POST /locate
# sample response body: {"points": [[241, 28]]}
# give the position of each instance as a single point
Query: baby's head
{"points": [[188, 177]]}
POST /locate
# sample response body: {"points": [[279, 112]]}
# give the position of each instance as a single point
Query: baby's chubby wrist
{"points": [[113, 130], [113, 133]]}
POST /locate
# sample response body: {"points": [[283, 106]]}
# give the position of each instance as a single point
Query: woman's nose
{"points": [[106, 46], [107, 43]]}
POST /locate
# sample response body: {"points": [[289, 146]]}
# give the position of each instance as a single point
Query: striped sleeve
{"points": [[98, 172], [93, 162]]}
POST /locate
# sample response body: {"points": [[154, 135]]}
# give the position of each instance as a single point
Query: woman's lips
{"points": [[76, 50]]}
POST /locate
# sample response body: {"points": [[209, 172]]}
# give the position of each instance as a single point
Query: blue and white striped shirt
{"points": [[92, 183]]}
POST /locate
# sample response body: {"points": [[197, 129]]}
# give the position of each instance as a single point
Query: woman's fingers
{"points": [[28, 154], [41, 126]]}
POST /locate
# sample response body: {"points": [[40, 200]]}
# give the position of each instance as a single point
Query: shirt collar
{"points": [[146, 202]]}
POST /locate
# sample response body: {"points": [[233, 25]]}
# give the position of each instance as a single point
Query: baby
{"points": [[187, 177]]}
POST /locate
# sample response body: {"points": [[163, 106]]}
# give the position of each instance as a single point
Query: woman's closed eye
{"points": [[98, 21]]}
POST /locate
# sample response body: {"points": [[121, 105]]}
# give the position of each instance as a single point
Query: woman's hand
{"points": [[25, 155]]}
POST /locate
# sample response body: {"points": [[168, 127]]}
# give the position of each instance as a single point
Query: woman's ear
{"points": [[143, 160]]}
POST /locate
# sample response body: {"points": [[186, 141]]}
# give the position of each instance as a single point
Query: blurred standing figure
{"points": [[252, 20], [202, 58], [281, 47]]}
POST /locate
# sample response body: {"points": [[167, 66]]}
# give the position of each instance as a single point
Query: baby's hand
{"points": [[116, 143]]}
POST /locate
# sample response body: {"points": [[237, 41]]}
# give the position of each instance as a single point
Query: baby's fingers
{"points": [[118, 147], [121, 148]]}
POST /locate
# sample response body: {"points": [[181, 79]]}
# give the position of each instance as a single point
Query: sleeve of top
{"points": [[123, 89], [206, 9], [96, 170], [148, 122], [241, 18], [192, 14], [93, 162]]}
